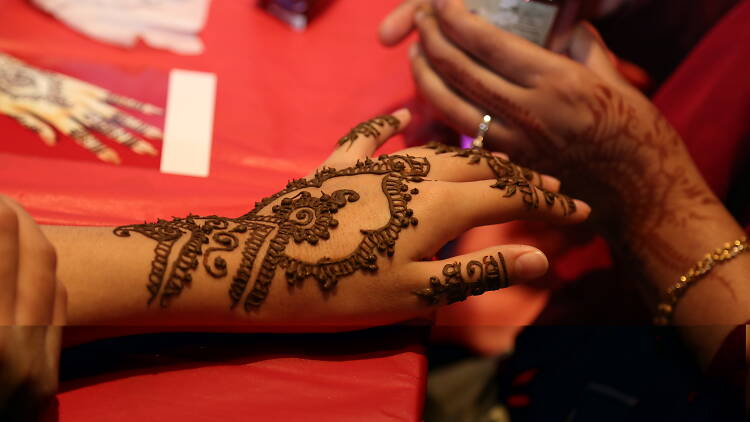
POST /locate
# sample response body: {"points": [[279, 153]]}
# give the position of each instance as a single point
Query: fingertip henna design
{"points": [[488, 275], [368, 129]]}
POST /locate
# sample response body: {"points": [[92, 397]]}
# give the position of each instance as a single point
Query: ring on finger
{"points": [[484, 126]]}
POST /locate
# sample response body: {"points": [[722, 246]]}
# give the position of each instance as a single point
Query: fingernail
{"points": [[531, 265], [439, 4]]}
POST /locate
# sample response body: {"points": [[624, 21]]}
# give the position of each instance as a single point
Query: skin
{"points": [[89, 276], [32, 312], [574, 117], [107, 275]]}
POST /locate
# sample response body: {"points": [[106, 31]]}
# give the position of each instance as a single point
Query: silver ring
{"points": [[484, 126]]}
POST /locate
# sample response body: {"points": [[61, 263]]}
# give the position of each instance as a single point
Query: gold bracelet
{"points": [[665, 309]]}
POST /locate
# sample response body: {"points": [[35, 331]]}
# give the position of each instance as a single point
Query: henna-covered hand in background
{"points": [[41, 100], [345, 247], [573, 116]]}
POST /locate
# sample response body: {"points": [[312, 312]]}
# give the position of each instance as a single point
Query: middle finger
{"points": [[462, 73]]}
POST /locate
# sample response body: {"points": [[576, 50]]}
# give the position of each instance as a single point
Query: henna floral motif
{"points": [[296, 215], [510, 177], [632, 160], [625, 159], [369, 129], [489, 275]]}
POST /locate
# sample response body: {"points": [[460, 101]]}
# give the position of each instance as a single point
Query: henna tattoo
{"points": [[258, 234], [20, 82], [489, 275], [88, 141], [510, 177], [368, 129], [291, 215], [142, 107]]}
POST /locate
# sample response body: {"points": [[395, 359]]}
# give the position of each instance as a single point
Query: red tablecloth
{"points": [[283, 99]]}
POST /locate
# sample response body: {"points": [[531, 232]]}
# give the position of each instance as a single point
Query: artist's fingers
{"points": [[513, 57], [36, 125], [455, 279], [460, 71], [455, 110], [494, 202], [9, 249], [365, 138], [125, 138], [123, 101], [399, 23], [37, 266], [86, 140]]}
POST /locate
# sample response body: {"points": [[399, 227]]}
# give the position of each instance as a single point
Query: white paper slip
{"points": [[189, 122]]}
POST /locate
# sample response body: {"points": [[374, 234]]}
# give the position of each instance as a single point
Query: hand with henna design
{"points": [[572, 115], [41, 100], [346, 246]]}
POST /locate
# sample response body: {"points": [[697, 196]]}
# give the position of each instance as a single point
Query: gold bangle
{"points": [[665, 309]]}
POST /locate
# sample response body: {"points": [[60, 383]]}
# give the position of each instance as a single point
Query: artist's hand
{"points": [[32, 312], [572, 116], [360, 228], [41, 100], [398, 24]]}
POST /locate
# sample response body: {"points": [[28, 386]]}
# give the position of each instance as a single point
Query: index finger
{"points": [[399, 23], [513, 57]]}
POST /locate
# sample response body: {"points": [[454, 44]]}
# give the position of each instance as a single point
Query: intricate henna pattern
{"points": [[369, 128], [18, 82], [296, 215], [510, 177], [488, 275], [629, 162]]}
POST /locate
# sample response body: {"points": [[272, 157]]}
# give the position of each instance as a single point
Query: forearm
{"points": [[110, 281], [684, 223]]}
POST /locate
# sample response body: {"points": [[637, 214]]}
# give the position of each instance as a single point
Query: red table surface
{"points": [[283, 99]]}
